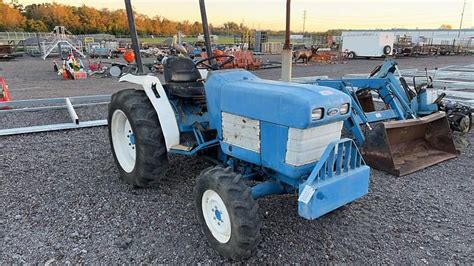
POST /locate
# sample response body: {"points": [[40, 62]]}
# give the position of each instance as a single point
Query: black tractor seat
{"points": [[186, 89], [183, 78]]}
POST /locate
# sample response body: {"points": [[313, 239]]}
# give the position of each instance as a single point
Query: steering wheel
{"points": [[217, 64]]}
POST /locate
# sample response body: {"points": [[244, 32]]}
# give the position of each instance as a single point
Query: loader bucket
{"points": [[404, 147]]}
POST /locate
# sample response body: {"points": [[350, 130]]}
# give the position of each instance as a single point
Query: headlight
{"points": [[317, 114], [344, 109]]}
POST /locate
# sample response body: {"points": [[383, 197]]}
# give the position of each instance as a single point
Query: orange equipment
{"points": [[217, 52], [327, 57], [4, 94], [129, 56], [242, 59], [323, 57], [245, 60]]}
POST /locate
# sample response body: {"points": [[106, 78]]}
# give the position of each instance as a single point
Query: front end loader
{"points": [[405, 133]]}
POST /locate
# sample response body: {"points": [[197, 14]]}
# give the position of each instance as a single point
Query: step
{"points": [[180, 147]]}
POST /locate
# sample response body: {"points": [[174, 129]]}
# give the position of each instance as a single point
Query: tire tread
{"points": [[242, 208], [153, 158]]}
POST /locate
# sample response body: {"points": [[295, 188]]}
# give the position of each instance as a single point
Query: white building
{"points": [[437, 36]]}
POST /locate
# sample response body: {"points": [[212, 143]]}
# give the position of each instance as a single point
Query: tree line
{"points": [[88, 20]]}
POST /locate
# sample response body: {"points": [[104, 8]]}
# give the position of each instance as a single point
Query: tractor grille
{"points": [[241, 131], [307, 145]]}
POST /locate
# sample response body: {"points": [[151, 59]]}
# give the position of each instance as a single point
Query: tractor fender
{"points": [[155, 92]]}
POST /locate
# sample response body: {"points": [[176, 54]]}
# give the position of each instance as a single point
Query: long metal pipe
{"points": [[288, 20], [134, 36], [72, 112], [53, 127], [205, 27]]}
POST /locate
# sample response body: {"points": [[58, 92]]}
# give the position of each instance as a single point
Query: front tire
{"points": [[135, 135], [227, 213]]}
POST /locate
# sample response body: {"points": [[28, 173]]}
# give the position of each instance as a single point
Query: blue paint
{"points": [[200, 147], [218, 215], [273, 150], [278, 106], [389, 88], [188, 114], [419, 105], [132, 139], [339, 177], [271, 187], [241, 153], [289, 104]]}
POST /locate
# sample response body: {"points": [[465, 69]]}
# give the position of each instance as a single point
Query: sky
{"points": [[321, 15]]}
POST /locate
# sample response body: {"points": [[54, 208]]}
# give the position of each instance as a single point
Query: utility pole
{"points": [[462, 18], [286, 54], [304, 21]]}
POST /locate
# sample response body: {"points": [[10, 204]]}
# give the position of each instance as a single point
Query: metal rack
{"points": [[68, 103]]}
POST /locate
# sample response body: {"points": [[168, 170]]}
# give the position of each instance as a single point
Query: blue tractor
{"points": [[285, 136], [264, 138]]}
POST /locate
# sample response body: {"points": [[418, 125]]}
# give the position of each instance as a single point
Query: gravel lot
{"points": [[61, 199]]}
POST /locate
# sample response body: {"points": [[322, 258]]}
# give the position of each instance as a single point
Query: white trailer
{"points": [[367, 44]]}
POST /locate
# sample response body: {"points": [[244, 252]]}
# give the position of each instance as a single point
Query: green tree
{"points": [[34, 25]]}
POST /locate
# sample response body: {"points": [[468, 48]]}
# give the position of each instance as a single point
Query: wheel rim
{"points": [[465, 124], [216, 216], [123, 141], [115, 71]]}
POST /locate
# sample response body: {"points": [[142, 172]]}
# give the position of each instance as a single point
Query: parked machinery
{"points": [[459, 115], [409, 132], [284, 137], [367, 44], [4, 93]]}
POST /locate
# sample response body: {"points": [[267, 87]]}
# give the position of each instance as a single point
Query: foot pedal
{"points": [[180, 147]]}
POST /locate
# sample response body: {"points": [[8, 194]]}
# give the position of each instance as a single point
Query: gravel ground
{"points": [[61, 200]]}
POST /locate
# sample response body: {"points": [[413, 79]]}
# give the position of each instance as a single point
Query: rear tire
{"points": [[227, 213], [465, 124], [136, 138], [351, 55]]}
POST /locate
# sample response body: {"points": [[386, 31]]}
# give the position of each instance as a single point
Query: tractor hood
{"points": [[242, 93]]}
